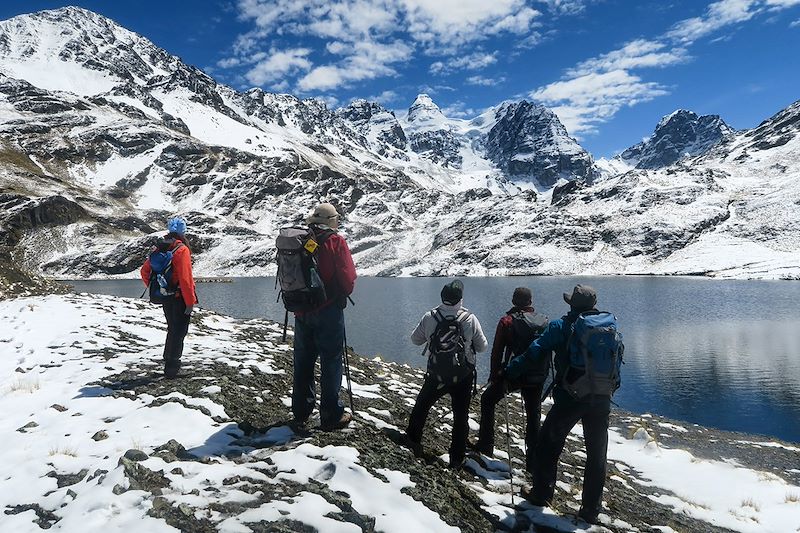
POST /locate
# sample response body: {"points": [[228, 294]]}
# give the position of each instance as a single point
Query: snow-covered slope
{"points": [[96, 440], [103, 135]]}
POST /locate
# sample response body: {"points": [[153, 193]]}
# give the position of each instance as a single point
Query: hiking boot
{"points": [[171, 372], [411, 444], [535, 499], [589, 517], [339, 424], [456, 463], [298, 424], [476, 445]]}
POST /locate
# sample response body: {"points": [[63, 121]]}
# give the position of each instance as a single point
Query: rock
{"points": [[100, 435], [118, 489], [59, 408], [29, 425], [142, 478], [65, 480], [136, 455]]}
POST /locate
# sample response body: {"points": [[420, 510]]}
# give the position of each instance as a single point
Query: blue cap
{"points": [[176, 225]]}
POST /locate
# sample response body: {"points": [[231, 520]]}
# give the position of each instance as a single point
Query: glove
{"points": [[189, 309]]}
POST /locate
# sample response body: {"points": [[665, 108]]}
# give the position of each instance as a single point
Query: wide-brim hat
{"points": [[582, 297], [326, 214]]}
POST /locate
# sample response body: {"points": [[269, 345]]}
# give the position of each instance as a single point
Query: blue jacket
{"points": [[554, 338]]}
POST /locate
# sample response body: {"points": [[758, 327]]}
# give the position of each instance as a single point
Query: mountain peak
{"points": [[680, 134], [76, 50], [424, 110]]}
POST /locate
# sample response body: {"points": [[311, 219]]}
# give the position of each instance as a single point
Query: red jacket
{"points": [[336, 269], [503, 340], [181, 273]]}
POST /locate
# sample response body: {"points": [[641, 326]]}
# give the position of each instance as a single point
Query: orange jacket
{"points": [[181, 273]]}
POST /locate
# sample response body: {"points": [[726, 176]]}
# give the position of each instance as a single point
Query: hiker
{"points": [[588, 351], [520, 326], [318, 304], [453, 336], [167, 274]]}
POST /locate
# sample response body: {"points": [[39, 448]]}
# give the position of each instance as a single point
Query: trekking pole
{"points": [[524, 426], [508, 451], [347, 370], [285, 324]]}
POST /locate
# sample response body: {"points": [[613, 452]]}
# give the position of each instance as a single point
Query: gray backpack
{"points": [[301, 287]]}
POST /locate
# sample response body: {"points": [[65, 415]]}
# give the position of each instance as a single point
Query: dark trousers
{"points": [[318, 334], [593, 413], [177, 328], [531, 397], [460, 395]]}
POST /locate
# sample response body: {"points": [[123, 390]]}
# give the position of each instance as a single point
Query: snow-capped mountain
{"points": [[678, 135], [103, 134]]}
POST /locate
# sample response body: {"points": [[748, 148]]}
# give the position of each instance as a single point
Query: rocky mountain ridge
{"points": [[94, 156], [678, 135]]}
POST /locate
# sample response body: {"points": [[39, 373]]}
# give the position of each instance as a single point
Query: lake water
{"points": [[724, 354]]}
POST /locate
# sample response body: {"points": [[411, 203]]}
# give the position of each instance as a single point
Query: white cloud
{"points": [[566, 7], [640, 53], [279, 63], [458, 110], [451, 23], [485, 82], [386, 97], [475, 61], [364, 60], [596, 89], [443, 27], [795, 24], [717, 16], [585, 101]]}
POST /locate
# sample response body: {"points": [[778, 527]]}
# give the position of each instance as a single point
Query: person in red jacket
{"points": [[177, 310], [320, 332]]}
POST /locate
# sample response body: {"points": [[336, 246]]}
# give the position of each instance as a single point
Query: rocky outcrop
{"points": [[529, 141], [680, 134]]}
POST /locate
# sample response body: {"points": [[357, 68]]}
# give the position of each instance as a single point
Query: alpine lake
{"points": [[718, 353]]}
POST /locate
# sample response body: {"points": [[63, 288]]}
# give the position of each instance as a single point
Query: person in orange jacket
{"points": [[177, 309]]}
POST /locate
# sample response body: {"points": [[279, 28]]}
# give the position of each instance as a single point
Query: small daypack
{"points": [[595, 352], [301, 286], [526, 327], [447, 350], [160, 286]]}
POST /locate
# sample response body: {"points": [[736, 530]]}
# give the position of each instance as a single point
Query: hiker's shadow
{"points": [[236, 439]]}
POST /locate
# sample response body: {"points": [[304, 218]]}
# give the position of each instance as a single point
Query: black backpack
{"points": [[447, 347], [526, 328], [160, 285], [301, 286]]}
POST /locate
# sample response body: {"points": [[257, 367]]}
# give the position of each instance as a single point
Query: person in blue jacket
{"points": [[593, 411]]}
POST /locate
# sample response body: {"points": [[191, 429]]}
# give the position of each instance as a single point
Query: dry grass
{"points": [[11, 157], [792, 497], [23, 385], [749, 502], [66, 450]]}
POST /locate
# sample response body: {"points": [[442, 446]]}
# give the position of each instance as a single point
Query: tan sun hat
{"points": [[325, 214]]}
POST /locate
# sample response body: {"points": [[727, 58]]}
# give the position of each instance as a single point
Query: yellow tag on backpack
{"points": [[311, 246]]}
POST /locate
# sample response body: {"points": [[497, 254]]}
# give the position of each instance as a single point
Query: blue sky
{"points": [[610, 68]]}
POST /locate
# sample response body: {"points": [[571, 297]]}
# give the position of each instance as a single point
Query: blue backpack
{"points": [[595, 352], [160, 285]]}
